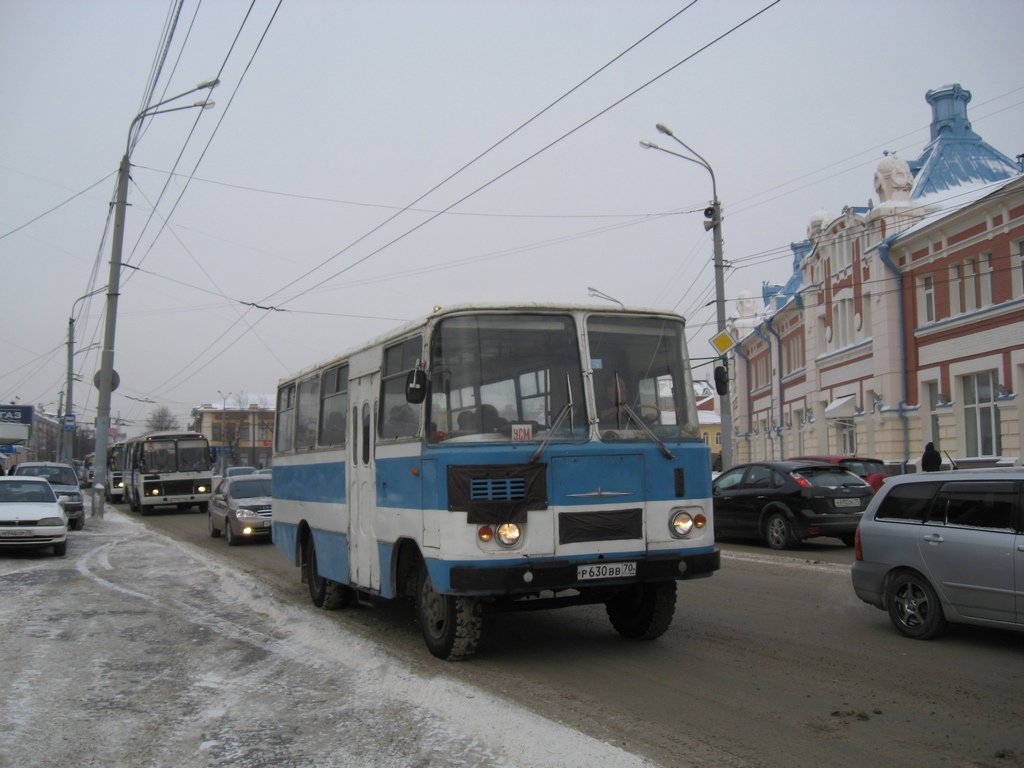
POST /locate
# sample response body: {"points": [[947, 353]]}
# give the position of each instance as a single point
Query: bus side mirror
{"points": [[416, 387]]}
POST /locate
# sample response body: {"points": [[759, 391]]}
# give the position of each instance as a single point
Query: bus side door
{"points": [[364, 563]]}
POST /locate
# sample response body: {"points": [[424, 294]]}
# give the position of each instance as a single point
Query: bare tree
{"points": [[162, 419]]}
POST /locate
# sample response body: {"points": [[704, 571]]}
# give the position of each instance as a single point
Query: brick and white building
{"points": [[903, 322]]}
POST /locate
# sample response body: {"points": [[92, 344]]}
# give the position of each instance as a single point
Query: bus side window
{"points": [[285, 417], [399, 419]]}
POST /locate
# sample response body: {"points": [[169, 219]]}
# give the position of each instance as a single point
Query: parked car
{"points": [[940, 547], [238, 471], [264, 471], [241, 508], [64, 481], [870, 470], [31, 514], [785, 502]]}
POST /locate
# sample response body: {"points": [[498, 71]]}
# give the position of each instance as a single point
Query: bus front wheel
{"points": [[451, 624], [643, 611], [326, 594]]}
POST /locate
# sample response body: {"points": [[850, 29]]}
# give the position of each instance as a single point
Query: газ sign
{"points": [[15, 423]]}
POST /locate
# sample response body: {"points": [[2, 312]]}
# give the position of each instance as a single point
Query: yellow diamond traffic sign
{"points": [[723, 342]]}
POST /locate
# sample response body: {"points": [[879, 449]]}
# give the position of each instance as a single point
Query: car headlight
{"points": [[682, 523], [245, 512], [49, 521], [508, 534]]}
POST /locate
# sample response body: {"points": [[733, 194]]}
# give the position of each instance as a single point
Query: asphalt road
{"points": [[152, 644], [772, 662]]}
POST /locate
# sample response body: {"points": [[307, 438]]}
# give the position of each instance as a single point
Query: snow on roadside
{"points": [[200, 664]]}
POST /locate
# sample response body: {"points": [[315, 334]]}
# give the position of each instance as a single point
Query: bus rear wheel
{"points": [[451, 624], [643, 611], [326, 594]]}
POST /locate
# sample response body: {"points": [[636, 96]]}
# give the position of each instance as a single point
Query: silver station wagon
{"points": [[940, 547]]}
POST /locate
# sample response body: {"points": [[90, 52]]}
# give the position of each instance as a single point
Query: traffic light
{"points": [[711, 213], [722, 378]]}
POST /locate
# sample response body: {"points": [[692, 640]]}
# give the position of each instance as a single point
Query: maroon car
{"points": [[872, 471]]}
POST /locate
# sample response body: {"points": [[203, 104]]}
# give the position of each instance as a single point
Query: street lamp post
{"points": [[223, 432], [107, 379], [714, 214], [69, 445]]}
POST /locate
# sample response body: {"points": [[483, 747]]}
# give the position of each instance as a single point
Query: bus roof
{"points": [[457, 309]]}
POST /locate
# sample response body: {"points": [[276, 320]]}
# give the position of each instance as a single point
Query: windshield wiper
{"points": [[566, 410], [650, 433]]}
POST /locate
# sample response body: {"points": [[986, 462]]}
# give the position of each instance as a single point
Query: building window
{"points": [[927, 299], [956, 288], [847, 437], [1017, 269], [981, 415], [707, 438], [987, 287], [970, 285], [933, 415]]}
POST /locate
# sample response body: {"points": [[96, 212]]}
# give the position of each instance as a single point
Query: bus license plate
{"points": [[847, 502], [605, 571]]}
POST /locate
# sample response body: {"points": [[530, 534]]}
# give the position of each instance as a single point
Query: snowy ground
{"points": [[135, 650]]}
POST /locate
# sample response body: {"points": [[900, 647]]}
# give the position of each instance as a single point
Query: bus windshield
{"points": [[642, 388], [490, 372], [192, 455]]}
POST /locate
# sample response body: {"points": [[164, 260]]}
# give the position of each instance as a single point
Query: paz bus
{"points": [[167, 468], [113, 481], [496, 459]]}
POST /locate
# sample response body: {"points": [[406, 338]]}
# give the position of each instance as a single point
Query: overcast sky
{"points": [[321, 182]]}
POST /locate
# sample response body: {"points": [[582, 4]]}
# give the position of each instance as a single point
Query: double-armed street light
{"points": [[714, 221], [69, 445], [107, 379]]}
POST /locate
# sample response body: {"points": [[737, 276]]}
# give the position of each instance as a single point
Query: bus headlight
{"points": [[682, 523], [508, 534]]}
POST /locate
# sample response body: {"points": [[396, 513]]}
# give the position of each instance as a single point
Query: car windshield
{"points": [[251, 488], [864, 467], [829, 477], [55, 475], [13, 491]]}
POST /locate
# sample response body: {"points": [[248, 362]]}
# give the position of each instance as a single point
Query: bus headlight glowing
{"points": [[156, 492], [681, 524], [201, 489], [509, 534]]}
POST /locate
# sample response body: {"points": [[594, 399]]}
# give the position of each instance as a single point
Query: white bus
{"points": [[113, 481], [499, 458], [168, 468]]}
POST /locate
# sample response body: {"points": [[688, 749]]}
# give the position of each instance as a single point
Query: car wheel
{"points": [[451, 624], [61, 549], [229, 536], [644, 611], [778, 533], [326, 594], [214, 530], [848, 539], [78, 523], [914, 606]]}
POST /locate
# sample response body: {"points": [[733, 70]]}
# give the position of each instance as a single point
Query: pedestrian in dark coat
{"points": [[931, 460]]}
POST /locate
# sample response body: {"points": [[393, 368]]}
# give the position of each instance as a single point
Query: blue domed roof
{"points": [[956, 155]]}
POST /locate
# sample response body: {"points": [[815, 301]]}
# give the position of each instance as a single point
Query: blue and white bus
{"points": [[499, 458], [168, 468]]}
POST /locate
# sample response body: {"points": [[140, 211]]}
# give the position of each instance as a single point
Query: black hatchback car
{"points": [[785, 502]]}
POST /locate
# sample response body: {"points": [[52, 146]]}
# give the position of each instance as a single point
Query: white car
{"points": [[31, 515]]}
